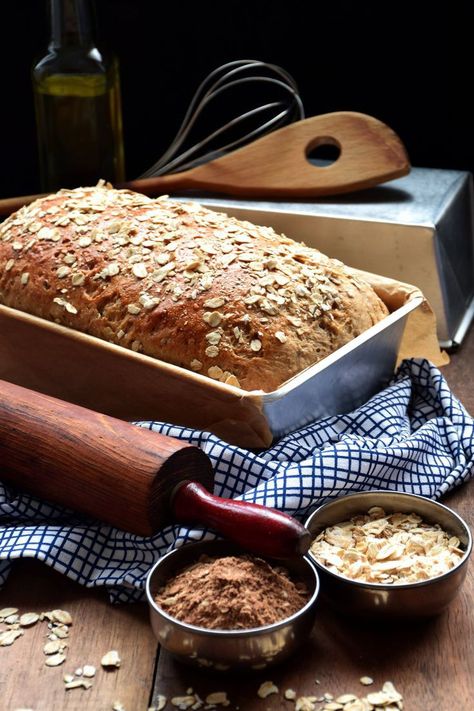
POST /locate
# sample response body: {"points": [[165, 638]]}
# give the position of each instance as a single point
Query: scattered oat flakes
{"points": [[28, 619], [267, 688], [377, 698], [213, 338], [12, 619], [78, 671], [358, 705], [118, 706], [77, 279], [305, 703], [160, 703], [346, 698], [65, 304], [148, 302], [111, 659], [9, 636], [68, 678], [215, 303], [77, 684], [55, 660], [88, 670], [7, 611], [53, 647], [218, 698], [290, 694], [113, 269], [183, 702], [213, 318], [393, 695], [232, 380], [59, 633], [140, 270], [366, 680], [215, 372]]}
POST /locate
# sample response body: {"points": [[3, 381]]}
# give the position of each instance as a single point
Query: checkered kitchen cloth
{"points": [[414, 436]]}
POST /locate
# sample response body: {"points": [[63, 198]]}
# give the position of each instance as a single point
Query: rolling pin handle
{"points": [[257, 528]]}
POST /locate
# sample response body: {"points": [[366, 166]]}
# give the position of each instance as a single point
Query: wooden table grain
{"points": [[98, 627], [431, 662]]}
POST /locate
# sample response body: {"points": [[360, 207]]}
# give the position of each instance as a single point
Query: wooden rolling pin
{"points": [[276, 165], [128, 476]]}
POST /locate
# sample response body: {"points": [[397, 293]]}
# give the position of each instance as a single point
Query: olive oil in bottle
{"points": [[77, 103]]}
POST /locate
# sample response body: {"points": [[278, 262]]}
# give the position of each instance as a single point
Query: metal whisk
{"points": [[287, 108]]}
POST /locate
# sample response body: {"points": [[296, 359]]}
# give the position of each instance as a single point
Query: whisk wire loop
{"points": [[220, 80]]}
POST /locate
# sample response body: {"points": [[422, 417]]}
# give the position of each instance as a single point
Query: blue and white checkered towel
{"points": [[415, 436]]}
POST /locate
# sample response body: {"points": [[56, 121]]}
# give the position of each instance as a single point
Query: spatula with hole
{"points": [[276, 165]]}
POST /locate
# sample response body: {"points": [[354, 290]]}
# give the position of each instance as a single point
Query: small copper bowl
{"points": [[420, 599], [221, 650]]}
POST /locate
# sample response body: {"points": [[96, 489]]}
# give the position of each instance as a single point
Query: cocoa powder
{"points": [[233, 592]]}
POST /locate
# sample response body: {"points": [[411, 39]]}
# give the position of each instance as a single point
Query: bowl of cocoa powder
{"points": [[215, 605]]}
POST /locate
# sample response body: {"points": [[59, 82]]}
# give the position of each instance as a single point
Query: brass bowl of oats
{"points": [[215, 606], [391, 554]]}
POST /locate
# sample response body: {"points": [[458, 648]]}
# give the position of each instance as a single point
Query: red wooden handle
{"points": [[257, 528]]}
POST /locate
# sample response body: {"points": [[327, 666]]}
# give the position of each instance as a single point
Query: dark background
{"points": [[409, 64]]}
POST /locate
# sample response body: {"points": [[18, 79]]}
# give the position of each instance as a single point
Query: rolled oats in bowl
{"points": [[388, 553], [381, 547]]}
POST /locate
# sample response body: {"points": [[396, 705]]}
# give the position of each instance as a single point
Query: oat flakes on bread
{"points": [[179, 282]]}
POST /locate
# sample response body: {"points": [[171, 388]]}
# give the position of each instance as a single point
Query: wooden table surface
{"points": [[430, 662]]}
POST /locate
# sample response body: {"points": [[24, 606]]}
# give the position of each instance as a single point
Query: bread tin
{"points": [[85, 370]]}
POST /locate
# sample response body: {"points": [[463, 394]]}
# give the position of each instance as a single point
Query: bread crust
{"points": [[176, 281]]}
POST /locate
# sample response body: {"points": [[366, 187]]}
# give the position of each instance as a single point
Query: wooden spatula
{"points": [[276, 165], [135, 479]]}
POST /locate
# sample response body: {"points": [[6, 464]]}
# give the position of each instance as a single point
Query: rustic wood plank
{"points": [[98, 626], [431, 661]]}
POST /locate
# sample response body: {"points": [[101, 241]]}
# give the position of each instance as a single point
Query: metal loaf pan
{"points": [[79, 368]]}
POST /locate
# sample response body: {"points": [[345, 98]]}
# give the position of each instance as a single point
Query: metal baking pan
{"points": [[79, 368], [343, 380]]}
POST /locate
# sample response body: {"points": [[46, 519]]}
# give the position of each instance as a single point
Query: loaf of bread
{"points": [[175, 281]]}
